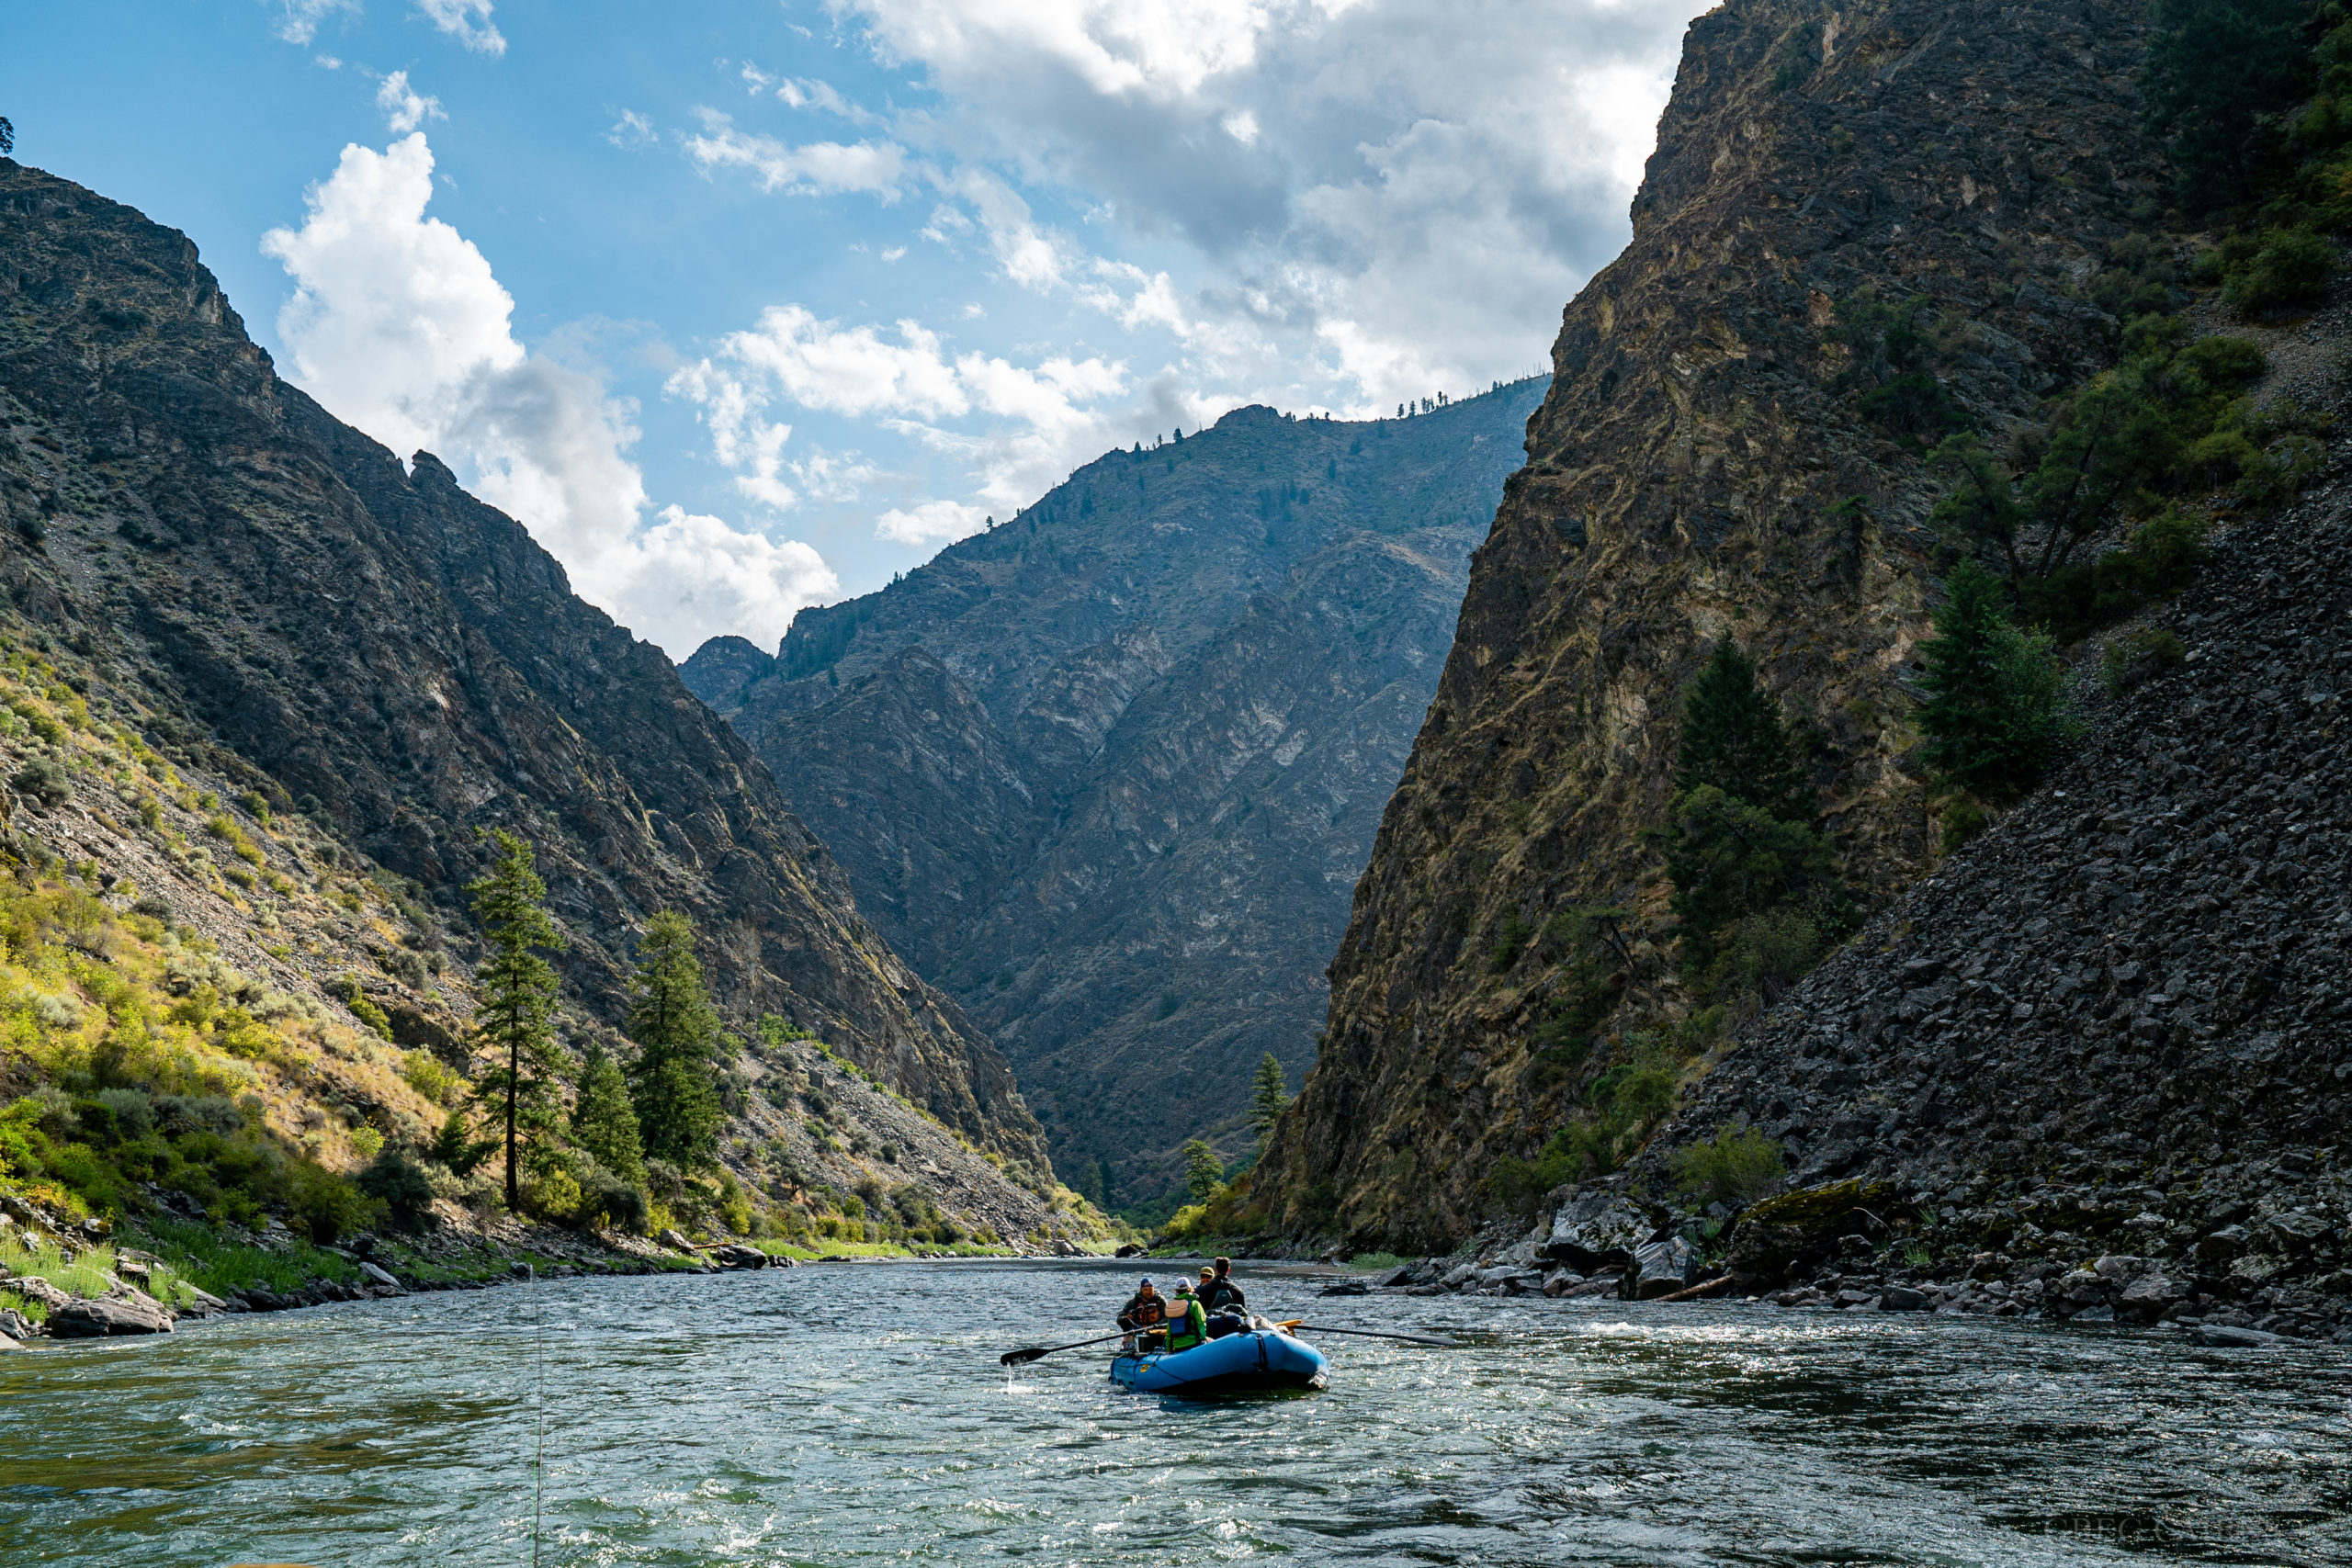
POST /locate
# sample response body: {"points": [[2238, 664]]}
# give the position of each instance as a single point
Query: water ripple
{"points": [[857, 1415]]}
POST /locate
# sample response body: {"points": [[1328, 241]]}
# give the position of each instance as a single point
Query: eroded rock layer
{"points": [[1700, 469]]}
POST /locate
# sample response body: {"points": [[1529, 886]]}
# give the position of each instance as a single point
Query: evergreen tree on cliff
{"points": [[1993, 713], [678, 1038], [517, 1022], [1269, 1095], [1733, 739], [1740, 843]]}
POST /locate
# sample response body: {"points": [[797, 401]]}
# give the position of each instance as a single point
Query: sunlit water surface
{"points": [[844, 1415]]}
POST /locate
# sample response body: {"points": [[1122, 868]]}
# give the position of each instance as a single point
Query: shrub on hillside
{"points": [[2288, 272], [46, 780], [1735, 1166], [401, 1185]]}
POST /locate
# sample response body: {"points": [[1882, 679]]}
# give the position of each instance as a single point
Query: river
{"points": [[856, 1413]]}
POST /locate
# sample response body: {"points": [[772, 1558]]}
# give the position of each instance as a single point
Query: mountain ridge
{"points": [[367, 646], [1106, 771]]}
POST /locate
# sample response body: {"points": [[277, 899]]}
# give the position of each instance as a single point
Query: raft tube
{"points": [[1253, 1362]]}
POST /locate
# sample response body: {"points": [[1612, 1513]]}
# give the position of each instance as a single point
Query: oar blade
{"points": [[1023, 1358], [1436, 1342]]}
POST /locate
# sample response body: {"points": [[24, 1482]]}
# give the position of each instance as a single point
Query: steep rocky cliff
{"points": [[272, 600], [1106, 771], [1702, 467], [2119, 1023]]}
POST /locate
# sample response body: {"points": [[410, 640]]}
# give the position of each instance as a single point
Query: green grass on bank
{"points": [[89, 1272], [215, 1264], [806, 1254]]}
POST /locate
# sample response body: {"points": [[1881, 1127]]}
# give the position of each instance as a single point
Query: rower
{"points": [[1142, 1317]]}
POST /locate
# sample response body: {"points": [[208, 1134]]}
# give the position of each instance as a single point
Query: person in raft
{"points": [[1218, 1292], [1222, 1321], [1188, 1323], [1146, 1310]]}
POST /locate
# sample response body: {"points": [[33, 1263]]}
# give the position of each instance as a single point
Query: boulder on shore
{"points": [[1598, 1229], [1662, 1268], [109, 1316], [1801, 1228]]}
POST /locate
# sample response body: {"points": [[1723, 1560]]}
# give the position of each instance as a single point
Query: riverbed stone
{"points": [[1902, 1298], [108, 1316], [2223, 1335], [1664, 1267], [376, 1274], [2147, 1297]]}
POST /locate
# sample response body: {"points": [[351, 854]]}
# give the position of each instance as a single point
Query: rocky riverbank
{"points": [[74, 1279], [1857, 1245]]}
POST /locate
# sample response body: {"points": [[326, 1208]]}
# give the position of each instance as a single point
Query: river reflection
{"points": [[842, 1414]]}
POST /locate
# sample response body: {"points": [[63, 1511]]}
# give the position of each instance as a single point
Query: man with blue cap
{"points": [[1146, 1310]]}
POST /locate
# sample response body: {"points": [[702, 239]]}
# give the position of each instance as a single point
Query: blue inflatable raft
{"points": [[1259, 1361]]}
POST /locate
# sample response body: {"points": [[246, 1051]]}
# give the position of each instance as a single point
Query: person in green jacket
{"points": [[1188, 1323]]}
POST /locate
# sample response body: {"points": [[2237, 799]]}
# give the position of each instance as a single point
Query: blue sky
{"points": [[747, 304]]}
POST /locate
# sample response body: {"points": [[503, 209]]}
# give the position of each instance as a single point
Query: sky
{"points": [[744, 305]]}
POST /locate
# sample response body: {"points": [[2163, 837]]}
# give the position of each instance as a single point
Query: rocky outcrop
{"points": [[286, 604], [1107, 772], [2120, 1022], [1702, 468]]}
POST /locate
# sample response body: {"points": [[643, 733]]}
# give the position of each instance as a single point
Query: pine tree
{"points": [[1730, 861], [1733, 738], [677, 1036], [1993, 711], [1269, 1095], [1203, 1169], [515, 1023], [603, 1121]]}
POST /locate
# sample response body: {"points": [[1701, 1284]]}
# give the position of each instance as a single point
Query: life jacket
{"points": [[1151, 1312], [1189, 1329]]}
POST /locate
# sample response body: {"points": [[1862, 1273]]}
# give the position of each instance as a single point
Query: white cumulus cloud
{"points": [[1015, 429], [298, 20], [468, 21], [1380, 197], [398, 325], [405, 108], [813, 169]]}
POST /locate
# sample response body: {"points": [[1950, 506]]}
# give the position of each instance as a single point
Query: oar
{"points": [[1368, 1334], [1023, 1358]]}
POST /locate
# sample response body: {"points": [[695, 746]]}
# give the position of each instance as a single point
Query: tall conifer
{"points": [[1992, 713], [1269, 1095], [515, 1023], [678, 1038], [603, 1121], [1733, 738]]}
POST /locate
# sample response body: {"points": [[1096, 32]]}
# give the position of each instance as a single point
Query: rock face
{"points": [[2121, 1019], [1106, 772], [402, 662], [1697, 470]]}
